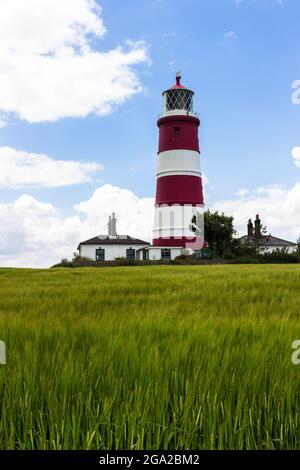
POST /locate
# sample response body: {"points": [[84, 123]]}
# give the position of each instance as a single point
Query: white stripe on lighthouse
{"points": [[178, 162], [175, 220]]}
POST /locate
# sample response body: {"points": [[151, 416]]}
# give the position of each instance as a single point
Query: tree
{"points": [[260, 237], [298, 247], [219, 233]]}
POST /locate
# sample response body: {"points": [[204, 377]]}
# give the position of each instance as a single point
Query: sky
{"points": [[80, 93]]}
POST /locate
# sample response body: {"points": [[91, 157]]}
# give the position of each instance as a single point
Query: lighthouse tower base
{"points": [[164, 253]]}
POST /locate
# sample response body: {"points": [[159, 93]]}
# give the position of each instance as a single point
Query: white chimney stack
{"points": [[112, 226]]}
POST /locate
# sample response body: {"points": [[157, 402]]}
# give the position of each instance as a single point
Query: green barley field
{"points": [[162, 357]]}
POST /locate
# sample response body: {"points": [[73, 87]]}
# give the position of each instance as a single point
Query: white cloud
{"points": [[33, 234], [22, 169], [230, 36], [277, 205], [241, 192], [135, 215], [296, 156], [51, 69], [171, 34]]}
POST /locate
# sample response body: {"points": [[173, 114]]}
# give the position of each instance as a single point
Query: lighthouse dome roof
{"points": [[178, 85]]}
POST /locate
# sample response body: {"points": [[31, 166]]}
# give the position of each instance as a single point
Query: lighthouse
{"points": [[179, 203], [179, 198]]}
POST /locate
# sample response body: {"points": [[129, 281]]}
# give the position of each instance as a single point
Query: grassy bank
{"points": [[169, 357]]}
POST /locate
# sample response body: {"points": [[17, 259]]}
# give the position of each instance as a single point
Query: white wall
{"points": [[111, 251], [289, 249], [155, 253]]}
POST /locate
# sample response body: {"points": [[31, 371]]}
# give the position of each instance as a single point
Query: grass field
{"points": [[195, 357]]}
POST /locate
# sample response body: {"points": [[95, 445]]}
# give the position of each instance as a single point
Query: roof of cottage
{"points": [[118, 240], [268, 241]]}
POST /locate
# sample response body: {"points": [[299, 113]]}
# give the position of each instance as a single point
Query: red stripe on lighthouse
{"points": [[184, 242], [178, 132], [179, 189]]}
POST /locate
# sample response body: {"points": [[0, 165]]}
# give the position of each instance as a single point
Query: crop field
{"points": [[162, 357]]}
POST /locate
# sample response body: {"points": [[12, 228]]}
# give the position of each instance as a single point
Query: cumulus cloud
{"points": [[135, 215], [49, 65], [34, 234], [22, 169], [230, 36], [241, 192], [296, 156], [277, 205], [29, 231]]}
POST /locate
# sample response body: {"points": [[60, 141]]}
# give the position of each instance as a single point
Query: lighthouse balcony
{"points": [[178, 112]]}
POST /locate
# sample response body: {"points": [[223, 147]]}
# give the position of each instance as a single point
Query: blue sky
{"points": [[240, 57]]}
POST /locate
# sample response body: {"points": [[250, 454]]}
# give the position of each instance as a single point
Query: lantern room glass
{"points": [[178, 99]]}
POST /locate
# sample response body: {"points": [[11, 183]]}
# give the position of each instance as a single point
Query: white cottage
{"points": [[265, 243], [112, 246]]}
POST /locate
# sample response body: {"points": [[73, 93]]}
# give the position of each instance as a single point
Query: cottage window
{"points": [[166, 254], [130, 254], [100, 254]]}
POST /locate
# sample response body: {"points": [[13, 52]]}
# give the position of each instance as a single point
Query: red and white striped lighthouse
{"points": [[179, 193]]}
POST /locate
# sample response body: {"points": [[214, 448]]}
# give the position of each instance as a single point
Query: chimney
{"points": [[109, 226], [113, 225], [257, 227], [250, 228]]}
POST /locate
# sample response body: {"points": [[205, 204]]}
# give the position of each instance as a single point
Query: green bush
{"points": [[185, 260], [279, 256], [80, 260], [245, 260], [228, 255], [65, 263]]}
